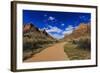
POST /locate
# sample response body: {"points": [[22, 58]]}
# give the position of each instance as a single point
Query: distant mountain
{"points": [[29, 27], [32, 32], [35, 40], [82, 31]]}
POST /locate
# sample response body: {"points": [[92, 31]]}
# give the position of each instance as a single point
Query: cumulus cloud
{"points": [[55, 32], [69, 30], [57, 35], [54, 29], [51, 18], [70, 27]]}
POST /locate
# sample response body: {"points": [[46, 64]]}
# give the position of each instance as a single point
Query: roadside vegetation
{"points": [[78, 49], [33, 46]]}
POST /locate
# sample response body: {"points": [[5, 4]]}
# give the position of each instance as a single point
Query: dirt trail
{"points": [[53, 53]]}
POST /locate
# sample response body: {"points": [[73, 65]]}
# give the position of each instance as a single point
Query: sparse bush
{"points": [[74, 51], [27, 46], [84, 43], [74, 41], [33, 45]]}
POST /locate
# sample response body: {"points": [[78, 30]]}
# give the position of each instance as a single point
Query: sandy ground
{"points": [[53, 53]]}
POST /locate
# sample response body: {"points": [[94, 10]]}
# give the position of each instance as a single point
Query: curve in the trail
{"points": [[52, 53]]}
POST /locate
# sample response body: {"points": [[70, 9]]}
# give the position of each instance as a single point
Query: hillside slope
{"points": [[83, 30], [78, 43], [34, 40]]}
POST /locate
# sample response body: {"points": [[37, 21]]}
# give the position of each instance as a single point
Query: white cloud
{"points": [[70, 27], [57, 36], [59, 33], [55, 32], [49, 26], [51, 18], [45, 28], [54, 29], [62, 24], [67, 32]]}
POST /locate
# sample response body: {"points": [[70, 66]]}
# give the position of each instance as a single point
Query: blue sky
{"points": [[57, 24]]}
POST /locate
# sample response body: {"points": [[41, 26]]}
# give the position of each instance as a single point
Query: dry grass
{"points": [[76, 53]]}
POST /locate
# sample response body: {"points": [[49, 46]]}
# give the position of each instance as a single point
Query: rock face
{"points": [[30, 28], [27, 27], [82, 31], [34, 40], [35, 33]]}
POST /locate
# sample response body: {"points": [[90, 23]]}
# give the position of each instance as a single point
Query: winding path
{"points": [[52, 53]]}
